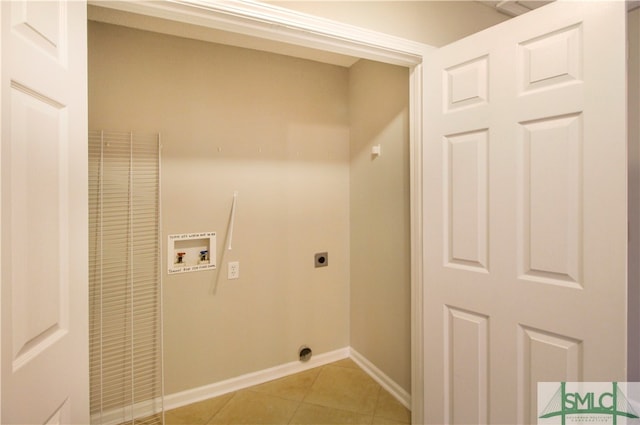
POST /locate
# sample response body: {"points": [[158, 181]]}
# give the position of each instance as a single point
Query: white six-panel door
{"points": [[525, 220], [44, 213]]}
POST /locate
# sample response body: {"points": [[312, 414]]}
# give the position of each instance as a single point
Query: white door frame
{"points": [[273, 23]]}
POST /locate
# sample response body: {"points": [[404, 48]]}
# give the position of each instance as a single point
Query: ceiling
{"points": [[518, 7], [514, 7]]}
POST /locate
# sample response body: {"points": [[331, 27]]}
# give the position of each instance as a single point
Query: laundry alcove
{"points": [[293, 137]]}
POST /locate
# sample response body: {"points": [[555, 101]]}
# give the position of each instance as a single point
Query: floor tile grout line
{"points": [[345, 367], [306, 392], [315, 379], [341, 409], [294, 413], [269, 394], [375, 409], [389, 417], [225, 404]]}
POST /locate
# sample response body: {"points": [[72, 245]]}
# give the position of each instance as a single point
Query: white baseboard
{"points": [[172, 401], [183, 398], [381, 378]]}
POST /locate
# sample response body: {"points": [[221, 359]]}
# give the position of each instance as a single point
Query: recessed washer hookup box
{"points": [[191, 252]]}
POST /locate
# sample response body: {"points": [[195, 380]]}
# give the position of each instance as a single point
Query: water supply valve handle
{"points": [[180, 256]]}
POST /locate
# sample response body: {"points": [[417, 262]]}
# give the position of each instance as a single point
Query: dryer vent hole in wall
{"points": [[305, 353], [322, 259]]}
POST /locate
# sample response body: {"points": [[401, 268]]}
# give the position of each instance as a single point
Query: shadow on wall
{"points": [[384, 90]]}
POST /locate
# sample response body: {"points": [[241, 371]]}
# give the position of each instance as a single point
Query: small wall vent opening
{"points": [[305, 353]]}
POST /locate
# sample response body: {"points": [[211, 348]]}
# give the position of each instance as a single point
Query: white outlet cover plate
{"points": [[233, 270]]}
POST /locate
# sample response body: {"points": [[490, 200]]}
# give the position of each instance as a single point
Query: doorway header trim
{"points": [[265, 21]]}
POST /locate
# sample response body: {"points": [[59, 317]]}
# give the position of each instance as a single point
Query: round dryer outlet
{"points": [[305, 353]]}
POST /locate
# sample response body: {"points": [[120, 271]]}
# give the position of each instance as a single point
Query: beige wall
{"points": [[380, 231], [633, 75], [431, 22], [276, 130]]}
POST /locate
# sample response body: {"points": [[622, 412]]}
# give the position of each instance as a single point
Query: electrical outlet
{"points": [[233, 270]]}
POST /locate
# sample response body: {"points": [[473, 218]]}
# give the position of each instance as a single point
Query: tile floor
{"points": [[337, 393]]}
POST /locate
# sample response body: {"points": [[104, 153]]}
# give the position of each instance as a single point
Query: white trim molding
{"points": [[216, 389], [173, 401], [268, 22], [183, 398], [416, 96], [265, 21], [381, 378]]}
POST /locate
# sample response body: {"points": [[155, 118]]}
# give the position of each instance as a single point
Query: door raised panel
{"points": [[466, 84], [466, 366], [544, 357], [43, 24], [61, 416], [550, 210], [38, 198], [552, 59], [466, 206]]}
